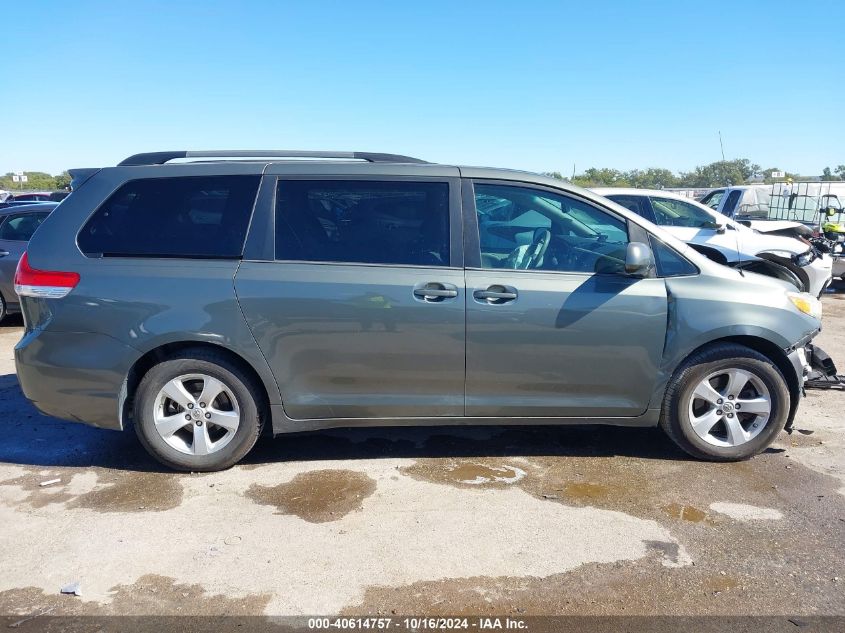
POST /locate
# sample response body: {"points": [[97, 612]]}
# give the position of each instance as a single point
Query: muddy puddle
{"points": [[149, 595], [114, 491], [318, 496], [470, 474]]}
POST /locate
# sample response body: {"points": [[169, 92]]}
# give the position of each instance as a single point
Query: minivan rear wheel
{"points": [[726, 402], [197, 412]]}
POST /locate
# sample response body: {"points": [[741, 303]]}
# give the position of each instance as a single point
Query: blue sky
{"points": [[529, 85]]}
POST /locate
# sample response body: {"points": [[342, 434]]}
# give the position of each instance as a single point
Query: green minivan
{"points": [[207, 297]]}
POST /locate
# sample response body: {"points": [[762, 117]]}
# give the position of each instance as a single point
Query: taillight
{"points": [[45, 284]]}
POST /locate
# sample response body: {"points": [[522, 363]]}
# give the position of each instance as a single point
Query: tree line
{"points": [[719, 174], [36, 180]]}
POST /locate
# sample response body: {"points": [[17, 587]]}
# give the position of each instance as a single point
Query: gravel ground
{"points": [[497, 520]]}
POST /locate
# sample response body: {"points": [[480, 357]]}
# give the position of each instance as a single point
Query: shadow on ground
{"points": [[32, 439]]}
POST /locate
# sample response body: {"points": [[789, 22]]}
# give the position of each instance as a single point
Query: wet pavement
{"points": [[494, 520]]}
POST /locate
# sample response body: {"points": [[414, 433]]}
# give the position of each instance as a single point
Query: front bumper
{"points": [[822, 370], [801, 362]]}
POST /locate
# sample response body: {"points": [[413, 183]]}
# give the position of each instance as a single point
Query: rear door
{"points": [[353, 287], [554, 326]]}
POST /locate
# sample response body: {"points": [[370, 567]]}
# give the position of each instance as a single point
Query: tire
{"points": [[199, 444], [684, 410], [3, 313]]}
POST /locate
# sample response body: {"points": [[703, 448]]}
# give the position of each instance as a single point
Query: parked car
{"points": [[204, 301], [749, 202], [17, 225], [723, 240], [41, 196]]}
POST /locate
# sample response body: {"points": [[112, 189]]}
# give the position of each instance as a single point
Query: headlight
{"points": [[806, 303], [805, 259]]}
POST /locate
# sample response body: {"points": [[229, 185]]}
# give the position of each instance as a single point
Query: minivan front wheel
{"points": [[198, 412], [726, 402]]}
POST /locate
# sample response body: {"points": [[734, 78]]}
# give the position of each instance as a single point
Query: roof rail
{"points": [[159, 158]]}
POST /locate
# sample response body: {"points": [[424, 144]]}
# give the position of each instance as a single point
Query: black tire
{"points": [[244, 389], [675, 415], [3, 313]]}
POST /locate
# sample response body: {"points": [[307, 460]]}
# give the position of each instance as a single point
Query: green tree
{"points": [[721, 173], [62, 180], [840, 171], [651, 178], [36, 181], [603, 177], [767, 175]]}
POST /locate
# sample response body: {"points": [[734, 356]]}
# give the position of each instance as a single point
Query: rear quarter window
{"points": [[196, 216]]}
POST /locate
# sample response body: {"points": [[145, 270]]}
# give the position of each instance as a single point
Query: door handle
{"points": [[435, 291], [4, 253], [496, 295]]}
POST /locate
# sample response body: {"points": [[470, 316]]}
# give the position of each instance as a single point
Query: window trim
{"points": [[127, 181], [267, 251], [472, 255]]}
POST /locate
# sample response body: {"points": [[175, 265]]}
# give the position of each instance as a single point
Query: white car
{"points": [[724, 240]]}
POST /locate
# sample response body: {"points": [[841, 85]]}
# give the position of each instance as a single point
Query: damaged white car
{"points": [[727, 241]]}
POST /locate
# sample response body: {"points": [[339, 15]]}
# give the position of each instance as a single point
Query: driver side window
{"points": [[521, 228]]}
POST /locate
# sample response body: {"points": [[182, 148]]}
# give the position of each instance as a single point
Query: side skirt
{"points": [[282, 424]]}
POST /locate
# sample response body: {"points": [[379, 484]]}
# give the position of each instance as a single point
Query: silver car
{"points": [[17, 225], [207, 301]]}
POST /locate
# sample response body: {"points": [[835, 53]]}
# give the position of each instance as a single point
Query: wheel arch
{"points": [[768, 349], [171, 350]]}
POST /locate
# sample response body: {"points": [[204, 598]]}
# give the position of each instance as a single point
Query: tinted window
{"points": [[637, 204], [173, 217], [669, 263], [20, 227], [521, 228], [730, 203], [370, 222], [669, 212]]}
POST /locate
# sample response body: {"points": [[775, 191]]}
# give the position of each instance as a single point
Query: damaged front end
{"points": [[822, 373]]}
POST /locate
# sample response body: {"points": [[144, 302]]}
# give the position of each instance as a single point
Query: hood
{"points": [[763, 243], [770, 226]]}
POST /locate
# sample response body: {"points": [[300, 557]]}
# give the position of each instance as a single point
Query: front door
{"points": [[361, 314], [554, 326]]}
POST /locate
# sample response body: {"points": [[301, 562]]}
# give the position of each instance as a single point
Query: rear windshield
{"points": [[205, 216]]}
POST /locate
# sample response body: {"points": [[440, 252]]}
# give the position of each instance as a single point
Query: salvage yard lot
{"points": [[497, 520]]}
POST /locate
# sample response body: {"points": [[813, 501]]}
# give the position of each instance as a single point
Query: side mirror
{"points": [[721, 228], [639, 260]]}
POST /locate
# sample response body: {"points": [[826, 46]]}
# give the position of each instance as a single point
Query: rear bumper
{"points": [[75, 376]]}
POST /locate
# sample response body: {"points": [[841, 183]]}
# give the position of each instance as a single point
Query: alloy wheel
{"points": [[730, 407], [196, 414]]}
